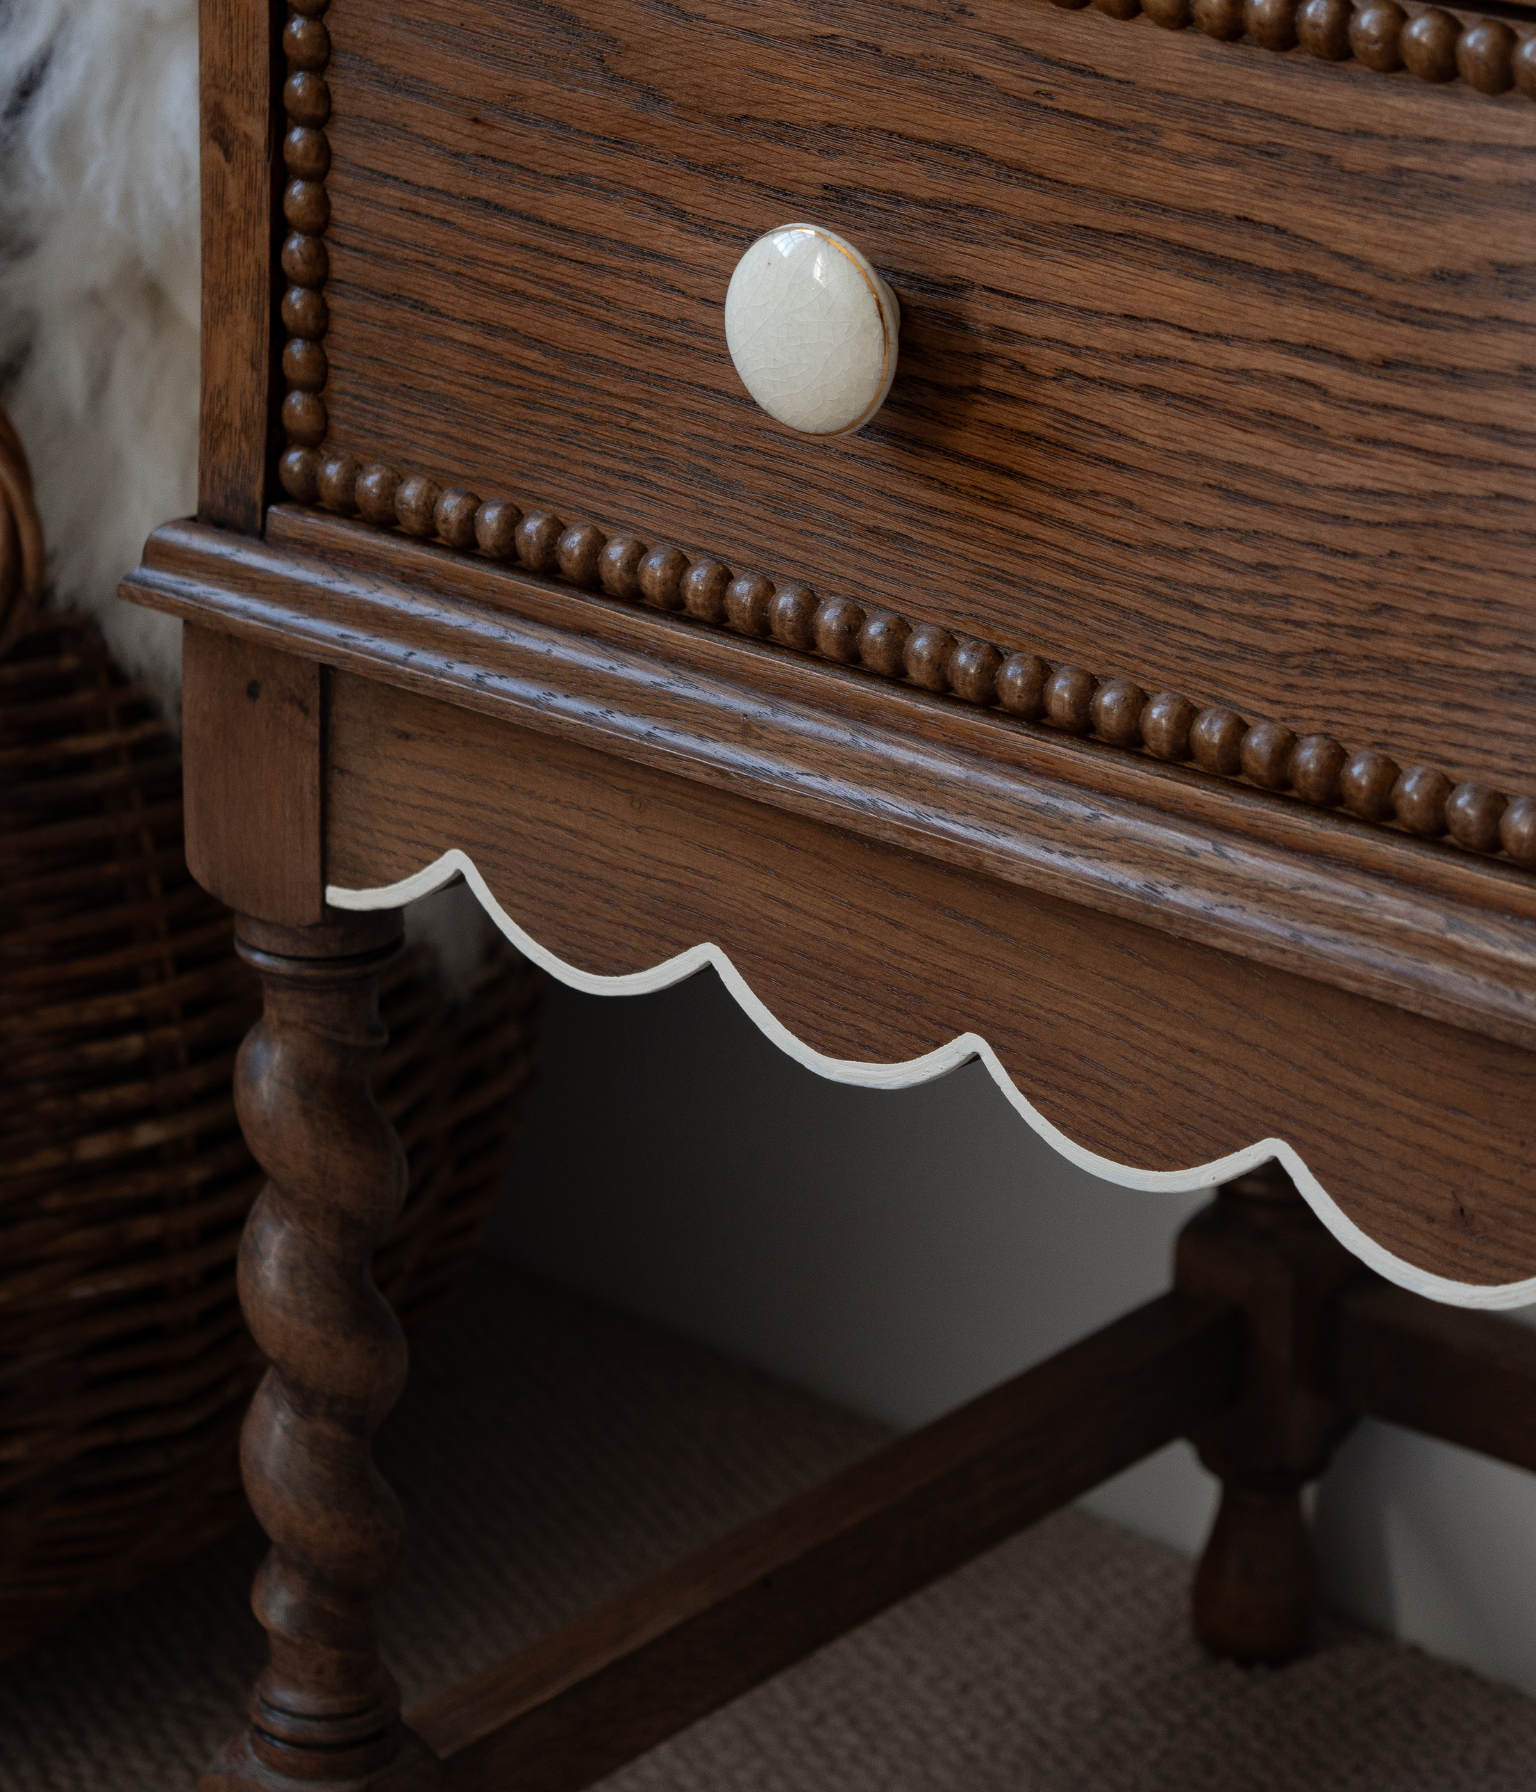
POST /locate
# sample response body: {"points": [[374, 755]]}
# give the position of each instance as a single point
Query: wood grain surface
{"points": [[251, 733], [237, 43], [1214, 365]]}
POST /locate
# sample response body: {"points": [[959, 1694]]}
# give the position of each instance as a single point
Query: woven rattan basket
{"points": [[124, 1363]]}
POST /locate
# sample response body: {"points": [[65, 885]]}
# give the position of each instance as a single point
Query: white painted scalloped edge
{"points": [[933, 1064]]}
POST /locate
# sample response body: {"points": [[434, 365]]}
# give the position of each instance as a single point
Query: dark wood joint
{"points": [[1261, 1248], [253, 739]]}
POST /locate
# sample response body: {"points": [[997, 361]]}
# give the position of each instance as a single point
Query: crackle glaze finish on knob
{"points": [[812, 329]]}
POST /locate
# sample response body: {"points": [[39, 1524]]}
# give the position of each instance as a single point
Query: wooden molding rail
{"points": [[571, 1709], [1371, 785], [1350, 908]]}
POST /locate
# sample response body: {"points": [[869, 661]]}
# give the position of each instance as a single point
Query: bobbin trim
{"points": [[1433, 44], [1319, 769]]}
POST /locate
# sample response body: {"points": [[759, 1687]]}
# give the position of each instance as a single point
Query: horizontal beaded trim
{"points": [[1316, 767], [1433, 44]]}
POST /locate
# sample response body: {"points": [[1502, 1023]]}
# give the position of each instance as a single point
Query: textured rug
{"points": [[547, 1453]]}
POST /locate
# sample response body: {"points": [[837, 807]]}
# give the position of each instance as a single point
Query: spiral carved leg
{"points": [[325, 1712]]}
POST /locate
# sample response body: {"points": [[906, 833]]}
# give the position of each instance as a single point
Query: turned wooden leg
{"points": [[325, 1712], [1261, 1247]]}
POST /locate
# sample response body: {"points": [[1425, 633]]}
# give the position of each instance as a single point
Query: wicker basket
{"points": [[21, 539], [124, 1363]]}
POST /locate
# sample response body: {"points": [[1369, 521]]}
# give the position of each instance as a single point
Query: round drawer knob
{"points": [[812, 329]]}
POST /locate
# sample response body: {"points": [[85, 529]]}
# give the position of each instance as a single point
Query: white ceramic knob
{"points": [[812, 329]]}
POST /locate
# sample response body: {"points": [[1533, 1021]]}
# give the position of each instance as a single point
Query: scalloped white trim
{"points": [[933, 1064]]}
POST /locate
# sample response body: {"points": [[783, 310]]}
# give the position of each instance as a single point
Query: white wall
{"points": [[898, 1252]]}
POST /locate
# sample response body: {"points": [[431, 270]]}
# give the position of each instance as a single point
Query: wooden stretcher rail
{"points": [[569, 1710], [1467, 1378]]}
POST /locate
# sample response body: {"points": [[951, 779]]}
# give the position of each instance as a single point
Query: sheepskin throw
{"points": [[99, 291]]}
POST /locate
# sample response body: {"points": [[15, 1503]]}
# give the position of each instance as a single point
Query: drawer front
{"points": [[1216, 364]]}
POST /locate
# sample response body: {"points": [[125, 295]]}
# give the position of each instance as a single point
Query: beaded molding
{"points": [[1433, 44], [1421, 800]]}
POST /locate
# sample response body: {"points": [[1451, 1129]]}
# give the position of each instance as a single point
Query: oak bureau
{"points": [[1005, 528]]}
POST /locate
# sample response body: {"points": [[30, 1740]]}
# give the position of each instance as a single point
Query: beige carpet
{"points": [[548, 1453]]}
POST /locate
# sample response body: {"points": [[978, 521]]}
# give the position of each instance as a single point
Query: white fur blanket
{"points": [[99, 290]]}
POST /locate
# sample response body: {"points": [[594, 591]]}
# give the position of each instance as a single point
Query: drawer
{"points": [[1215, 362]]}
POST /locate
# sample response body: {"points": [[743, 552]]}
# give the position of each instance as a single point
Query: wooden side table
{"points": [[1004, 528]]}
